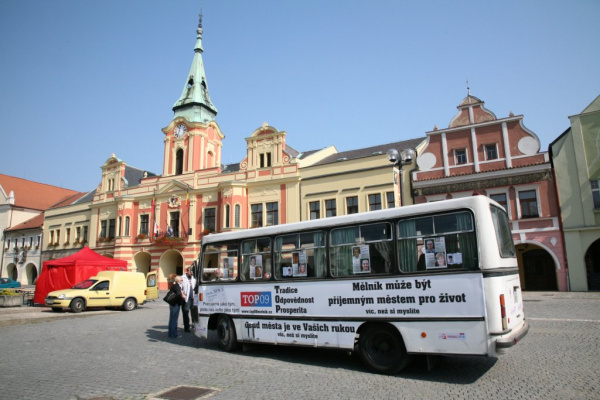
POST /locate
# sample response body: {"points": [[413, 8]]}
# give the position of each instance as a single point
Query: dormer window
{"points": [[265, 160]]}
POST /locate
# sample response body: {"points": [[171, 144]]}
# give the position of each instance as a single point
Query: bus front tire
{"points": [[226, 333], [382, 349]]}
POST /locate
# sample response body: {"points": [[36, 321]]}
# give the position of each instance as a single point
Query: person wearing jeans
{"points": [[174, 308]]}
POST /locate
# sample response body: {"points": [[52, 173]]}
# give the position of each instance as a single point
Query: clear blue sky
{"points": [[80, 80]]}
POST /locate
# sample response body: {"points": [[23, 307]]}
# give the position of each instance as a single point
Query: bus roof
{"points": [[470, 202]]}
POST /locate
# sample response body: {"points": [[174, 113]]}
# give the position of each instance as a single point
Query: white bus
{"points": [[434, 279]]}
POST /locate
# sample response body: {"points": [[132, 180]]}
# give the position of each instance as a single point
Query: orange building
{"points": [[500, 158]]}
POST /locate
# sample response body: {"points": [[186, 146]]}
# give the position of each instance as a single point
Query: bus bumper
{"points": [[505, 343]]}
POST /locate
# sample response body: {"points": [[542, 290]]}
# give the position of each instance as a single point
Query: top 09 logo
{"points": [[256, 299]]}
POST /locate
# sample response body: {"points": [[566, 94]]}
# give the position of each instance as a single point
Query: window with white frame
{"points": [[227, 215], [330, 208], [528, 204], [210, 219], [500, 198], [390, 198], [315, 209], [237, 217], [374, 202], [144, 224], [491, 151], [272, 213], [460, 156], [256, 215], [596, 193]]}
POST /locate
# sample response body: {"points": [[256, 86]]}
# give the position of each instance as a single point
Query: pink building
{"points": [[499, 158]]}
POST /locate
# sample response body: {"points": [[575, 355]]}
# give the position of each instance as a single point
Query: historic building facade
{"points": [[500, 158], [22, 206], [576, 160]]}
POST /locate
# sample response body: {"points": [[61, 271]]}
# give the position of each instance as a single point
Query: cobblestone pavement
{"points": [[127, 355]]}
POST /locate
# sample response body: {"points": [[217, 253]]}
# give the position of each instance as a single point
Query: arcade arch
{"points": [[171, 262], [31, 274], [537, 268], [142, 262], [592, 265]]}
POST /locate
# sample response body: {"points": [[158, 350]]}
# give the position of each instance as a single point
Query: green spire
{"points": [[195, 104]]}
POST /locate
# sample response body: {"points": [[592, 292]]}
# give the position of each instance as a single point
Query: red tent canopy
{"points": [[68, 271]]}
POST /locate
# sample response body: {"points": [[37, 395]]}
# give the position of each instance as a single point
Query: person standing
{"points": [[188, 285], [174, 307]]}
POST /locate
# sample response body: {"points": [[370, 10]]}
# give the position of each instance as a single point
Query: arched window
{"points": [[179, 162], [126, 233], [227, 215], [236, 220]]}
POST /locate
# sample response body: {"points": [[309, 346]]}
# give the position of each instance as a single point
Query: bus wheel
{"points": [[226, 333], [77, 305], [382, 349]]}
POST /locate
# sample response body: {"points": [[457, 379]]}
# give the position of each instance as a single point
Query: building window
{"points": [[237, 217], [272, 213], [265, 160], [30, 242], [227, 215], [491, 151], [111, 228], [596, 193], [528, 203], [210, 219], [77, 234], [38, 240], [352, 205], [174, 224], [103, 227], [127, 223], [314, 209], [57, 237], [85, 233], [144, 221], [391, 201], [500, 198], [461, 156], [330, 208], [68, 236], [179, 162], [256, 215], [374, 202]]}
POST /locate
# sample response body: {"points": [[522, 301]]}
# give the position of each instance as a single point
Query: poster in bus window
{"points": [[361, 260], [435, 253], [299, 263], [227, 268], [256, 266], [454, 259]]}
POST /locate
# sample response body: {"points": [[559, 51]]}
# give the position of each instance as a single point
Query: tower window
{"points": [[179, 162]]}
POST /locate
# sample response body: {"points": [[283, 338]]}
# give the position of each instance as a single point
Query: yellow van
{"points": [[107, 289]]}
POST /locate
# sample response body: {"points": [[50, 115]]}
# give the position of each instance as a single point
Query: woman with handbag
{"points": [[174, 306]]}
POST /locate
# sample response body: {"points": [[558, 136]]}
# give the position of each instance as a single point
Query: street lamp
{"points": [[399, 160]]}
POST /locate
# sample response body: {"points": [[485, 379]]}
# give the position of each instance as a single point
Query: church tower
{"points": [[193, 140]]}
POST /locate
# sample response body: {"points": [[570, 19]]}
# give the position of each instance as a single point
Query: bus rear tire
{"points": [[226, 333], [382, 349]]}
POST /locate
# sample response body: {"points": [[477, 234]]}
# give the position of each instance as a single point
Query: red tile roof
{"points": [[35, 222], [33, 195]]}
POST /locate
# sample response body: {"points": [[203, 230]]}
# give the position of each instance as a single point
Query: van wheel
{"points": [[226, 333], [129, 304], [77, 305], [382, 349]]}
